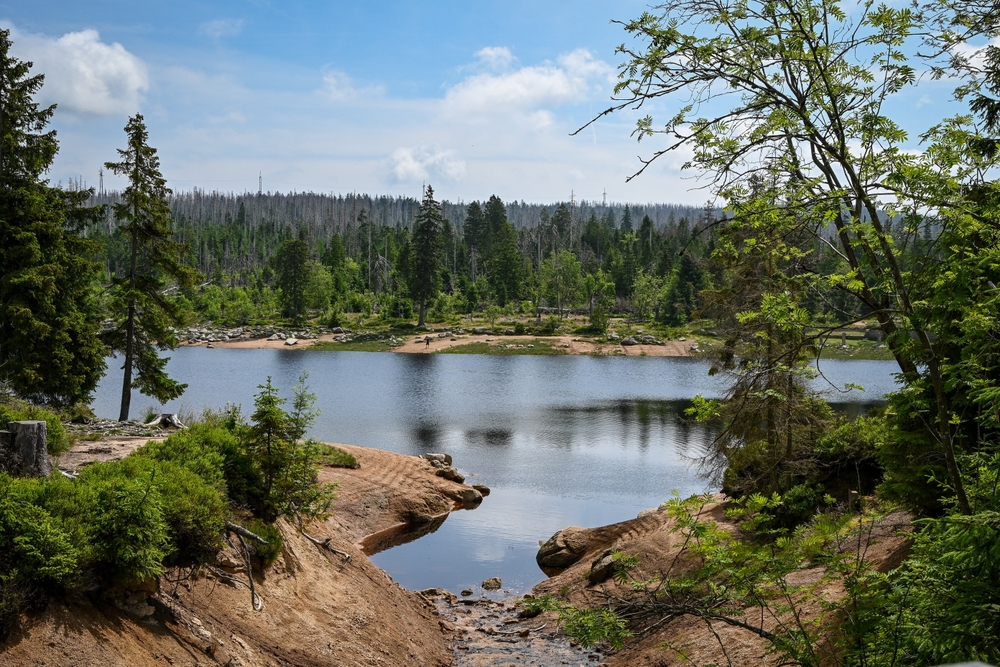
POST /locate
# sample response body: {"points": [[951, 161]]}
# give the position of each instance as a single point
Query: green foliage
{"points": [[335, 457], [266, 553], [50, 350], [293, 276], [423, 275], [287, 467], [586, 626], [142, 311], [37, 555]]}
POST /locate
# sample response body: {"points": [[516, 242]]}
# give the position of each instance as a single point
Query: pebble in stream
{"points": [[488, 633]]}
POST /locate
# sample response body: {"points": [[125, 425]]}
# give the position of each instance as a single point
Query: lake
{"points": [[560, 440]]}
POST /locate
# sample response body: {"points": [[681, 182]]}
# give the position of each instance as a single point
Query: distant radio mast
{"points": [[604, 202], [100, 188], [260, 183]]}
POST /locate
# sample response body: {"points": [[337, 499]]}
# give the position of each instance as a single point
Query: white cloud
{"points": [[220, 28], [425, 162], [975, 54], [84, 74], [338, 87], [498, 58], [573, 78]]}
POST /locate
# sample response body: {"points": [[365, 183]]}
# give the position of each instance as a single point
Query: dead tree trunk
{"points": [[24, 449]]}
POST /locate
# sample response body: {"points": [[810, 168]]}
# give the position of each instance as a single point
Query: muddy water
{"points": [[561, 441]]}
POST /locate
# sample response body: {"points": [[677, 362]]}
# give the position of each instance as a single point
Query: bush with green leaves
{"points": [[37, 553]]}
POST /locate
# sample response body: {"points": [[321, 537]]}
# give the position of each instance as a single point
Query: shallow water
{"points": [[561, 440]]}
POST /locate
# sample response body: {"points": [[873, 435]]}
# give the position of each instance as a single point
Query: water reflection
{"points": [[560, 440]]}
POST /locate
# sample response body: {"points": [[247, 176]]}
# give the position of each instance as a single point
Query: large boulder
{"points": [[564, 548], [466, 495]]}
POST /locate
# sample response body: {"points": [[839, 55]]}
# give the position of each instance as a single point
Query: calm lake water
{"points": [[560, 440]]}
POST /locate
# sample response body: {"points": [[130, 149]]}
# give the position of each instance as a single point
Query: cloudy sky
{"points": [[476, 98]]}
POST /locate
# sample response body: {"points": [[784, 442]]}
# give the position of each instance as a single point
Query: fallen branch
{"points": [[240, 530], [325, 544]]}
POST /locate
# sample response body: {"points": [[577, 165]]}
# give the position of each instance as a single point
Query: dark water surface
{"points": [[560, 440]]}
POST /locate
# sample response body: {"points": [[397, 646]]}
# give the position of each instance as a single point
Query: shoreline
{"points": [[564, 344]]}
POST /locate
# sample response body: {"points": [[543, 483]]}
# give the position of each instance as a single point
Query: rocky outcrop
{"points": [[564, 548]]}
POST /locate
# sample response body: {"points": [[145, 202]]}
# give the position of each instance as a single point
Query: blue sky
{"points": [[476, 98]]}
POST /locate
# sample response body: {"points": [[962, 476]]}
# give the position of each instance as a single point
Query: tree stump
{"points": [[27, 455], [8, 461], [165, 420]]}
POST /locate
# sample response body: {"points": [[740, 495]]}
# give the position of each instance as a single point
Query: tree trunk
{"points": [[26, 450], [129, 335], [421, 312]]}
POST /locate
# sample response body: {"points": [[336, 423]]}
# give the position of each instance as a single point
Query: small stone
{"points": [[492, 584], [467, 592]]}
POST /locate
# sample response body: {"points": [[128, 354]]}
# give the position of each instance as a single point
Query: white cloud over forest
{"points": [[84, 74], [425, 163], [574, 77]]}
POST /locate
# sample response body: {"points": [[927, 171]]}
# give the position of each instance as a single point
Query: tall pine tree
{"points": [[49, 319], [424, 279], [143, 312]]}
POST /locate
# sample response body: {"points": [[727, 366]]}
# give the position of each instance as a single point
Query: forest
{"points": [[822, 216]]}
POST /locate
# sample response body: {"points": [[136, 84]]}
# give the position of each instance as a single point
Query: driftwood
{"points": [[165, 420], [325, 544]]}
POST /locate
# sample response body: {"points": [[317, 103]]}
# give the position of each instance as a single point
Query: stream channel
{"points": [[560, 440]]}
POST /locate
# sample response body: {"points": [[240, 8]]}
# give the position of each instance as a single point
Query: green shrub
{"points": [[37, 556], [336, 458], [192, 511], [266, 553], [201, 448], [126, 527]]}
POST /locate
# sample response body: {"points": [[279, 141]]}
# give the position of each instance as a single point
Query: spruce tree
{"points": [[424, 276], [144, 315], [49, 319], [292, 267]]}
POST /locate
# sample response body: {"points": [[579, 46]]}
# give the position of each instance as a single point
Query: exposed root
{"points": [[325, 544]]}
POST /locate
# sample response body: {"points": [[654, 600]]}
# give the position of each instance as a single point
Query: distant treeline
{"points": [[225, 230]]}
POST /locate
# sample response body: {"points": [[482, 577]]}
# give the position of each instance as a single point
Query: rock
{"points": [[291, 341], [442, 458], [682, 339], [564, 548], [602, 568], [647, 512], [628, 340], [492, 584], [423, 511], [467, 592], [450, 473], [482, 489], [479, 331], [274, 337], [337, 330], [467, 496]]}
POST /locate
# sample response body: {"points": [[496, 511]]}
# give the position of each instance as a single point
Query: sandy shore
{"points": [[569, 344]]}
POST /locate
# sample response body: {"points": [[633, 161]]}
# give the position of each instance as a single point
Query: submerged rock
{"points": [[492, 584]]}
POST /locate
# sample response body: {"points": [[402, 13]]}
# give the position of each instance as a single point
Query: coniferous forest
{"points": [[822, 219]]}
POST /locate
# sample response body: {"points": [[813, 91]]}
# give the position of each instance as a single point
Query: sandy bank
{"points": [[317, 608], [566, 344]]}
